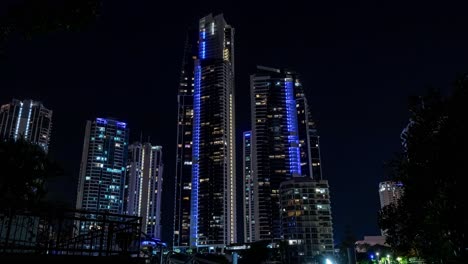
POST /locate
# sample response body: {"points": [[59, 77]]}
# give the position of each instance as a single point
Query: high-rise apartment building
{"points": [[309, 144], [306, 221], [143, 186], [285, 147], [103, 162], [28, 119], [248, 193], [276, 149], [390, 192], [183, 180], [213, 211]]}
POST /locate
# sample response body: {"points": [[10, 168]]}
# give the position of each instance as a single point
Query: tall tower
{"points": [[309, 140], [291, 201], [248, 197], [101, 180], [213, 212], [28, 119], [143, 186], [275, 144], [183, 180]]}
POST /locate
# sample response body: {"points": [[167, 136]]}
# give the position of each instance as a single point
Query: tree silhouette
{"points": [[430, 219], [25, 167]]}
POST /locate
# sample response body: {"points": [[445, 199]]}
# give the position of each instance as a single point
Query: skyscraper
{"points": [[213, 211], [143, 186], [275, 144], [390, 192], [248, 197], [285, 144], [183, 180], [309, 144], [28, 119], [101, 179]]}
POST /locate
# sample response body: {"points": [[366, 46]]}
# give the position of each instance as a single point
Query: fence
{"points": [[68, 232]]}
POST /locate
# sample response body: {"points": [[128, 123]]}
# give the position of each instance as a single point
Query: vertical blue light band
{"points": [[203, 44], [293, 139], [195, 157]]}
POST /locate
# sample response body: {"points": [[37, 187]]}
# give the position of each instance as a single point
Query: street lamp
{"points": [[388, 257], [377, 254]]}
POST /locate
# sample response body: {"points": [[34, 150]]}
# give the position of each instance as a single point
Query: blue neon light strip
{"points": [[203, 44], [293, 139], [196, 156]]}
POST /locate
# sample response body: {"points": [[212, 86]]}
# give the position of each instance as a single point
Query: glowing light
{"points": [[29, 118], [291, 117], [202, 50], [101, 120], [195, 157], [113, 170], [18, 120]]}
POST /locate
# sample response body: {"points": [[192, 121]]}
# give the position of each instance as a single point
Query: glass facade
{"points": [[28, 119], [101, 180], [213, 199], [143, 186], [285, 144], [275, 144], [183, 181]]}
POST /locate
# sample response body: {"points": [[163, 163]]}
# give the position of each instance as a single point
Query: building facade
{"points": [[306, 219], [28, 119], [248, 193], [276, 149], [390, 192], [183, 180], [103, 162], [143, 186], [213, 211]]}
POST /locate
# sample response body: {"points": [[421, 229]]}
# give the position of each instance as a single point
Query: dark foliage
{"points": [[430, 220], [25, 167], [29, 18]]}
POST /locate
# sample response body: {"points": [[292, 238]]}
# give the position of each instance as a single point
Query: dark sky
{"points": [[358, 61]]}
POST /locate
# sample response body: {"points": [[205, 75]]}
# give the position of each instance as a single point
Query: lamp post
{"points": [[377, 254]]}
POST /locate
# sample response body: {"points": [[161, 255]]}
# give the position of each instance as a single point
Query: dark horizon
{"points": [[358, 63]]}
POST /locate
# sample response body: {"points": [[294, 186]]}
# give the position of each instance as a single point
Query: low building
{"points": [[306, 221]]}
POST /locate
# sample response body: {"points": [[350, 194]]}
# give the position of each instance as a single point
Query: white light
{"points": [[18, 120], [328, 261], [27, 122]]}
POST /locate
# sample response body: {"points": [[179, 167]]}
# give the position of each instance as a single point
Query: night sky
{"points": [[358, 61]]}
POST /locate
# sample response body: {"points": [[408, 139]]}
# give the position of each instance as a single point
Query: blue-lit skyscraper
{"points": [[291, 200], [102, 172], [213, 199], [275, 144]]}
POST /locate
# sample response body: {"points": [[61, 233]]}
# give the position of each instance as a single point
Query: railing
{"points": [[68, 232]]}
